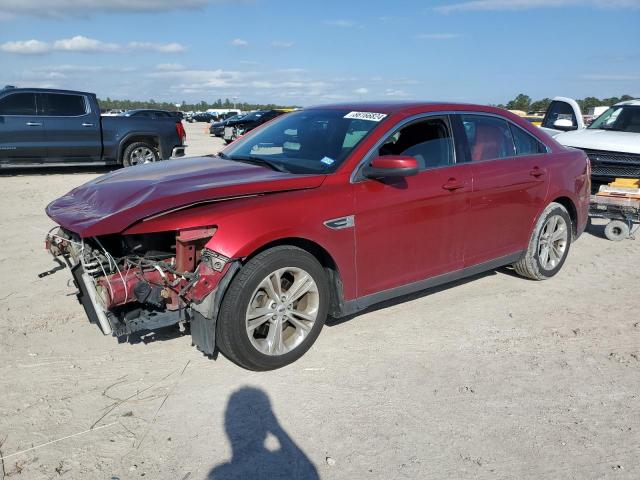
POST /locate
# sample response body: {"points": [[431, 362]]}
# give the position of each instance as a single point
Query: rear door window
{"points": [[63, 105], [525, 143], [488, 137], [18, 104]]}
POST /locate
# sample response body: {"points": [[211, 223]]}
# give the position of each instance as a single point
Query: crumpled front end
{"points": [[138, 283]]}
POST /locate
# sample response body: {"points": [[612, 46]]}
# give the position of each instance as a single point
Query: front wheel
{"points": [[548, 246], [274, 309], [139, 153]]}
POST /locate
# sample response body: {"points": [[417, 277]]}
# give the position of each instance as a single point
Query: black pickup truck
{"points": [[44, 127]]}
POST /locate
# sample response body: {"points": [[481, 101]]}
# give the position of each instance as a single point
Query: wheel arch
{"points": [[323, 256], [151, 138], [570, 206]]}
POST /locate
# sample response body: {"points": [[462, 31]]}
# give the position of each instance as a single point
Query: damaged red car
{"points": [[321, 212]]}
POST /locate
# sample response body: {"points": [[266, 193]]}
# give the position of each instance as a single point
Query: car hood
{"points": [[113, 202], [596, 139]]}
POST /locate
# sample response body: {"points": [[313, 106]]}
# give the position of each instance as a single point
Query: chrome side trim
{"points": [[341, 223]]}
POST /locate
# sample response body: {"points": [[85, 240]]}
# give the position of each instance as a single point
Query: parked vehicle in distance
{"points": [[236, 128], [113, 112], [201, 117], [324, 211], [151, 113], [46, 127], [612, 141], [217, 128]]}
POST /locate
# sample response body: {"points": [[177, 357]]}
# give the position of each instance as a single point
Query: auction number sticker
{"points": [[371, 116]]}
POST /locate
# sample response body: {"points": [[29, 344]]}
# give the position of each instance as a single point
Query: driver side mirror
{"points": [[391, 166], [564, 124]]}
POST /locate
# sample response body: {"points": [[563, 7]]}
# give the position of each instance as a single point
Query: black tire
{"points": [[227, 142], [128, 153], [530, 265], [232, 336], [616, 230]]}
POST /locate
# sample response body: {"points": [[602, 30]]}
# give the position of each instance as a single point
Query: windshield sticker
{"points": [[327, 160], [371, 116]]}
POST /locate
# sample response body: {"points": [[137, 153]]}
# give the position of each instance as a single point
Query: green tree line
{"points": [[524, 102], [108, 104]]}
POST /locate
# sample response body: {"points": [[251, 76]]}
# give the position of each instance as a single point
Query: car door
{"points": [[412, 228], [22, 133], [72, 129], [562, 115], [510, 182]]}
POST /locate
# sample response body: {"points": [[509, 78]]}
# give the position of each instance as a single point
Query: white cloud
{"points": [[239, 42], [341, 23], [280, 44], [83, 44], [158, 47], [26, 47], [361, 91], [437, 36], [170, 67], [391, 92], [493, 5], [58, 8]]}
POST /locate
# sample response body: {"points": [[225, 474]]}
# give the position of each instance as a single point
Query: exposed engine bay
{"points": [[133, 283]]}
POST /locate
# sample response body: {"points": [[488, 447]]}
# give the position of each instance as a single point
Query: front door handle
{"points": [[33, 124], [453, 184], [87, 124], [536, 172]]}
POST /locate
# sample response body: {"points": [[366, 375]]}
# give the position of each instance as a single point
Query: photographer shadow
{"points": [[252, 428]]}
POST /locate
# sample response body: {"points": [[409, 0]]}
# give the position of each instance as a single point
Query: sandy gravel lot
{"points": [[495, 377]]}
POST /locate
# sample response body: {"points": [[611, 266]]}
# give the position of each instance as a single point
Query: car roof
{"points": [[44, 90], [635, 102], [390, 108]]}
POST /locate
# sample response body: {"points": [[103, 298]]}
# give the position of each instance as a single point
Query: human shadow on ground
{"points": [[249, 422]]}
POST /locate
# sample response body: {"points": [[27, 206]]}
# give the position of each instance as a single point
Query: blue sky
{"points": [[297, 52]]}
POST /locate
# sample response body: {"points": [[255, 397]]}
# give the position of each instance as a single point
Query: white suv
{"points": [[612, 141]]}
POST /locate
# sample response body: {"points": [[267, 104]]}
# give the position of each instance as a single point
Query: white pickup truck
{"points": [[612, 141]]}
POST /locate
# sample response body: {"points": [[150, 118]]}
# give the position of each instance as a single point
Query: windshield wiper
{"points": [[259, 161]]}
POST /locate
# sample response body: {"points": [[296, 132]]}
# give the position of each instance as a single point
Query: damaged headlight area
{"points": [[133, 283]]}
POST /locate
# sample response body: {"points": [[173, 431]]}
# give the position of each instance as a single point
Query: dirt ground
{"points": [[495, 377]]}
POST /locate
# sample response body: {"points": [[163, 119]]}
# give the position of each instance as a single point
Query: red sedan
{"points": [[323, 211]]}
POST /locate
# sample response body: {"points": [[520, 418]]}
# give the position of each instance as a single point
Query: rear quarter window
{"points": [[525, 143]]}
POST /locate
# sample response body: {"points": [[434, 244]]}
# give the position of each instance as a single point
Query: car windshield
{"points": [[307, 141], [621, 118]]}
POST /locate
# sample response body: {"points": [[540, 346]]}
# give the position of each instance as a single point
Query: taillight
{"points": [[181, 132]]}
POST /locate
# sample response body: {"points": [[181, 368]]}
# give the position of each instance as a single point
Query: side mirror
{"points": [[391, 166], [564, 124]]}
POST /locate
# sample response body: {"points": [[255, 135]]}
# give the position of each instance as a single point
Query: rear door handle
{"points": [[536, 172], [453, 184], [33, 124], [87, 124]]}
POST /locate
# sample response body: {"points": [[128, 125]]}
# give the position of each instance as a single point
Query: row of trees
{"points": [[108, 104], [524, 102]]}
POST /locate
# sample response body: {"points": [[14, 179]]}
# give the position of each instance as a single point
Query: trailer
{"points": [[623, 213]]}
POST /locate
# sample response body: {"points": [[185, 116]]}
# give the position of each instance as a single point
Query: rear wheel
{"points": [[548, 246], [616, 230], [139, 153], [274, 309]]}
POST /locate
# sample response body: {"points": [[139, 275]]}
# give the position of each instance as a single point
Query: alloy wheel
{"points": [[282, 311], [553, 242]]}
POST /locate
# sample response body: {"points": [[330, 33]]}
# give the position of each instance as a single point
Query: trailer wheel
{"points": [[616, 230]]}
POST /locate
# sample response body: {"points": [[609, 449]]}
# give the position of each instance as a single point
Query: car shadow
{"points": [[332, 322], [253, 430], [41, 171], [596, 230]]}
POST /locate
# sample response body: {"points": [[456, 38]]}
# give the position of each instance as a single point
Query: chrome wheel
{"points": [[553, 242], [282, 311], [142, 155]]}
